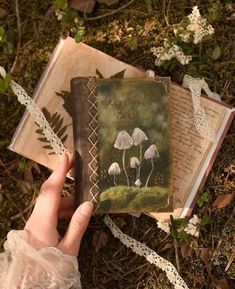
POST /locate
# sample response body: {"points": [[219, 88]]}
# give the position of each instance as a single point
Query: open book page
{"points": [[69, 60], [190, 150]]}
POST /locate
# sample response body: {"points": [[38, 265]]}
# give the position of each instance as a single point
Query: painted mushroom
{"points": [[150, 154], [135, 164], [114, 170], [124, 142], [139, 137]]}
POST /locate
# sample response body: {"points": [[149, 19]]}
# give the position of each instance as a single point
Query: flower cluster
{"points": [[196, 29], [167, 52], [192, 227], [164, 226]]}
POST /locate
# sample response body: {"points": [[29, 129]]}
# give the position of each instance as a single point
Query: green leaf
{"points": [[203, 198], [80, 34], [216, 53], [61, 4], [206, 219], [2, 33]]}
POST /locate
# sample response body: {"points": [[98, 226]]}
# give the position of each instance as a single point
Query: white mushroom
{"points": [[138, 183], [124, 142], [151, 153], [114, 170], [134, 162], [139, 137]]}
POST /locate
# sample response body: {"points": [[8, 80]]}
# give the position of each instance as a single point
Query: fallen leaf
{"points": [[186, 250], [3, 13], [86, 6], [99, 240], [107, 2], [197, 278], [223, 284], [223, 200]]}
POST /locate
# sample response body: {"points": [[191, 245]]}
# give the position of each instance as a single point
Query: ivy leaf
{"points": [[204, 198], [216, 53], [61, 4], [79, 34], [205, 220]]}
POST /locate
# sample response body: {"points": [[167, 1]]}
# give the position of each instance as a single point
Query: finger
{"points": [[48, 201], [70, 244]]}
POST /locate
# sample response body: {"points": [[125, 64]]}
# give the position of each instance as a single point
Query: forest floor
{"points": [[31, 33]]}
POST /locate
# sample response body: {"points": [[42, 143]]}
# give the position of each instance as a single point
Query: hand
{"points": [[42, 224]]}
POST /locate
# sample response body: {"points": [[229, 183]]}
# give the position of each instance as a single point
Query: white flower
{"points": [[164, 226], [193, 226], [194, 220], [192, 230]]}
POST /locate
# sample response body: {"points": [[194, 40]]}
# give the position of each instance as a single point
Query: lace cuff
{"points": [[24, 267]]}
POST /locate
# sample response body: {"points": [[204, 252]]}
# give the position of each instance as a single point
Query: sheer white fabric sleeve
{"points": [[24, 267]]}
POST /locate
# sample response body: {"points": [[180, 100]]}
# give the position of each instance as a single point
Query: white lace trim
{"points": [[196, 85], [58, 147], [201, 122], [151, 256], [37, 115]]}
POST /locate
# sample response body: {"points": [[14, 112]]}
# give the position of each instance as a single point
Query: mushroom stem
{"points": [[146, 184], [114, 180], [141, 153], [124, 167]]}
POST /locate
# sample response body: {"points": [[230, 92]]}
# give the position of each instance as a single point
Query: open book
{"points": [[192, 155]]}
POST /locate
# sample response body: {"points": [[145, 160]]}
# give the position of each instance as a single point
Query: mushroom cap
{"points": [[123, 141], [134, 162], [138, 136], [138, 183], [114, 169], [151, 152]]}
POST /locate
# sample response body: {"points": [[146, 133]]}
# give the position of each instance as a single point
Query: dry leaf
{"points": [[185, 250], [107, 2], [86, 6], [99, 240], [223, 284], [197, 278], [223, 200]]}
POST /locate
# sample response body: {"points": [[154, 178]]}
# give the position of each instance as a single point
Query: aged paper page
{"points": [[189, 149]]}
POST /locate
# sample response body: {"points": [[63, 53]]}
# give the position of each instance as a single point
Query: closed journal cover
{"points": [[122, 143]]}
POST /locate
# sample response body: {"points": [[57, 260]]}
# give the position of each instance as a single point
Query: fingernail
{"points": [[86, 208]]}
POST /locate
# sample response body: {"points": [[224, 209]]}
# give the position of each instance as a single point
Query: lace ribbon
{"points": [[59, 148], [37, 115], [196, 85], [202, 124]]}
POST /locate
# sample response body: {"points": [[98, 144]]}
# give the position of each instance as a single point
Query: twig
{"points": [[107, 14], [177, 256], [19, 36], [19, 215], [230, 261], [166, 11]]}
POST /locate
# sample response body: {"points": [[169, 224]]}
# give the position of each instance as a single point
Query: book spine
{"points": [[83, 91]]}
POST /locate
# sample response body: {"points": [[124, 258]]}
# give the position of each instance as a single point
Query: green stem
{"points": [[124, 167], [147, 181]]}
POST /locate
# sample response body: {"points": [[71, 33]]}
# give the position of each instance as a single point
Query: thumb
{"points": [[70, 243]]}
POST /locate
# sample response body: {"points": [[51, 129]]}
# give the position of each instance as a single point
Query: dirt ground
{"points": [[128, 35]]}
